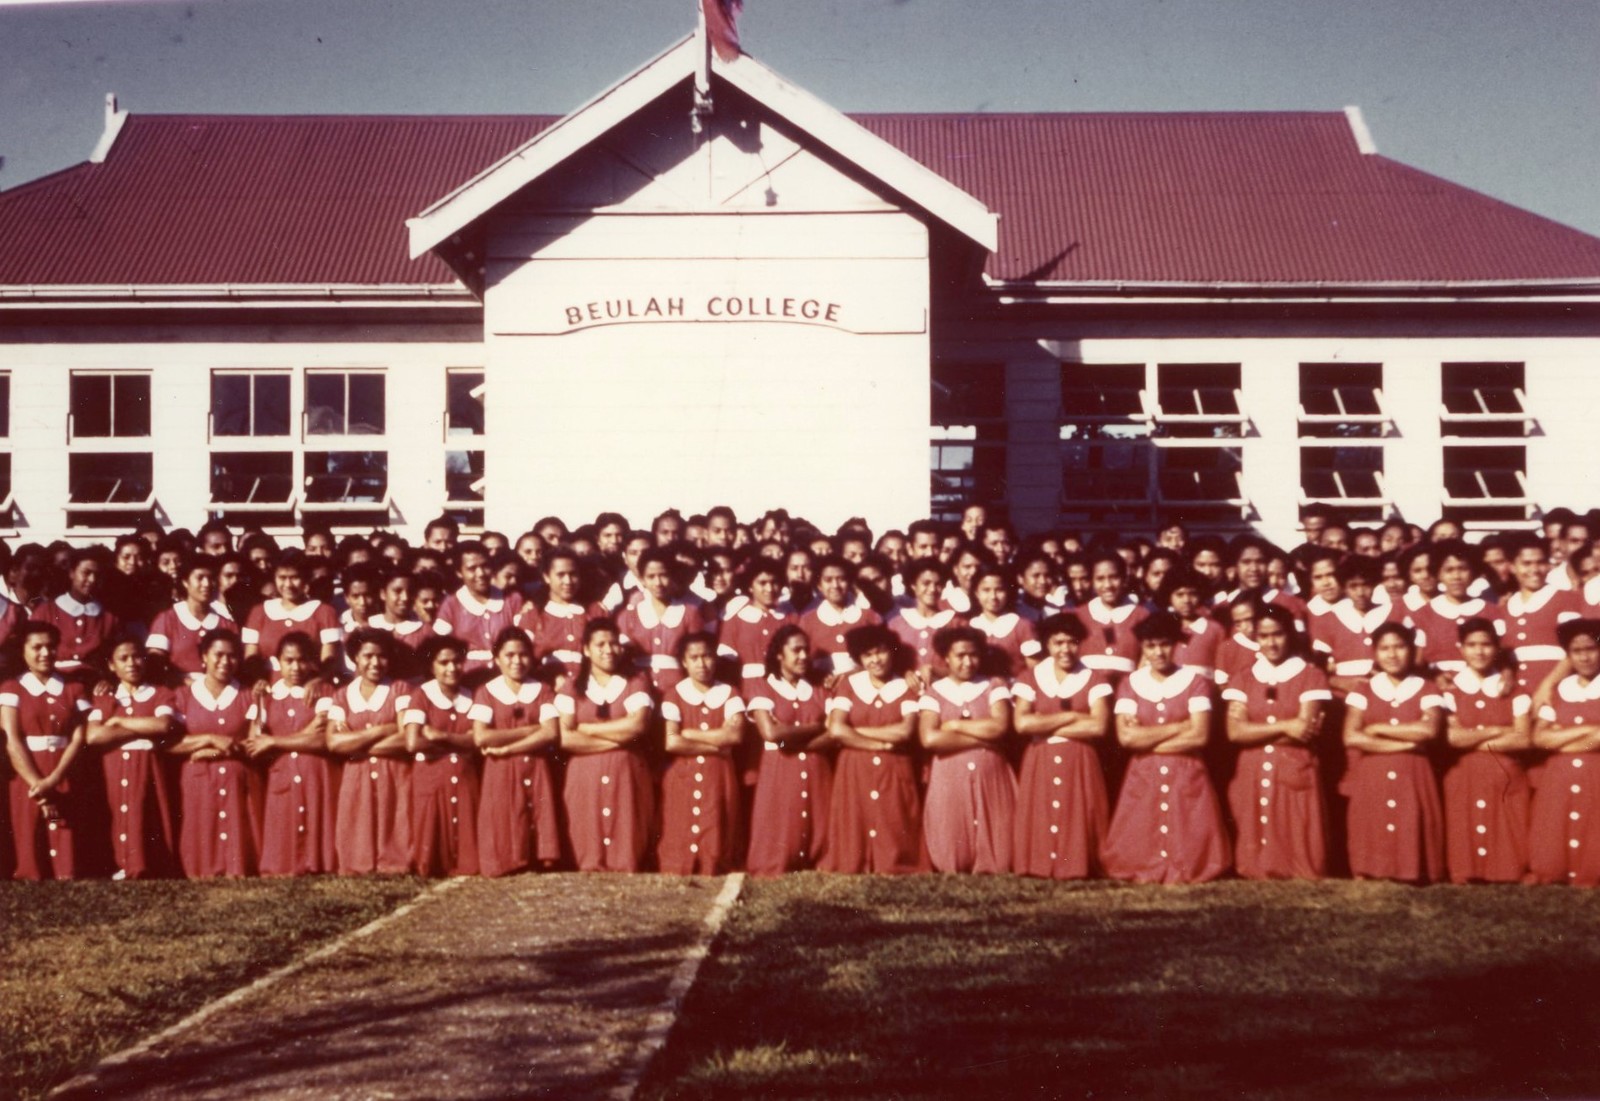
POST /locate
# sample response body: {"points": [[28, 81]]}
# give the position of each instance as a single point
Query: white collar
{"points": [[202, 695], [138, 695], [36, 687], [1062, 686], [1591, 591], [214, 615], [559, 610], [611, 693], [799, 692], [715, 696], [399, 628], [962, 692], [1285, 671], [749, 612], [274, 609], [921, 622], [1144, 683], [1107, 616], [356, 705], [1000, 626], [1414, 599], [1449, 609], [347, 621], [477, 607], [1353, 620], [1517, 604], [436, 696], [1318, 606], [651, 619], [282, 691], [1201, 627], [833, 617], [1390, 692], [67, 604], [861, 684], [1244, 643], [500, 689], [1571, 691], [1472, 684]]}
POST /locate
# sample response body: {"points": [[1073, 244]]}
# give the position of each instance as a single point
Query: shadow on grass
{"points": [[938, 988]]}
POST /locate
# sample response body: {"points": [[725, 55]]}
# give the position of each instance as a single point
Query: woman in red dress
{"points": [[1438, 621], [971, 806], [556, 625], [291, 610], [1564, 840], [656, 624], [374, 811], [516, 726], [789, 818], [1167, 827], [838, 610], [1110, 617], [438, 729], [43, 720], [704, 721], [131, 725], [1395, 824], [175, 633], [1009, 641], [917, 624], [291, 737], [220, 834], [1486, 791], [875, 812], [609, 793], [1063, 708], [1275, 714], [747, 632]]}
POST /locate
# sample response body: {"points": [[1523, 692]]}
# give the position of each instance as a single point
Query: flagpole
{"points": [[702, 73]]}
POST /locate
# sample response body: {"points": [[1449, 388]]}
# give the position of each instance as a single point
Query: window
{"points": [[7, 505], [346, 481], [1483, 400], [967, 457], [1486, 483], [344, 403], [1342, 429], [260, 483], [1198, 401], [463, 403], [250, 403], [463, 432], [1484, 420], [109, 404], [109, 488]]}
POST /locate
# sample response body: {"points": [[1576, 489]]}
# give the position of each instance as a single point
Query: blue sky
{"points": [[1500, 95]]}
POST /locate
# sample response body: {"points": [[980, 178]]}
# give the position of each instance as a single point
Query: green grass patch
{"points": [[958, 987], [86, 968]]}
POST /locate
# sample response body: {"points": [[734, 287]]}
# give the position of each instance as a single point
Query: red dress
{"points": [[269, 621], [445, 789], [177, 633], [1110, 646], [409, 635], [875, 812], [142, 812], [745, 636], [1235, 654], [1527, 627], [220, 834], [477, 623], [1011, 641], [1486, 793], [557, 633], [655, 638], [699, 794], [1395, 824], [1167, 827], [789, 815], [1438, 623], [373, 831], [971, 808], [826, 626], [298, 823], [1276, 792], [1345, 635], [1062, 808], [915, 632], [519, 817], [1564, 841], [47, 713], [609, 797], [1198, 650], [85, 629]]}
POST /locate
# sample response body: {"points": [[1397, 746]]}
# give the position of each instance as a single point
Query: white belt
{"points": [[1108, 662], [1356, 667], [843, 662], [663, 661], [1453, 665], [1057, 739], [480, 655], [1539, 653], [753, 671], [771, 747], [47, 742], [139, 743], [567, 657]]}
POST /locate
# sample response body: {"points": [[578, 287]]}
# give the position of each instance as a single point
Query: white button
{"points": [[374, 775], [692, 829], [126, 756], [124, 783], [697, 793], [1483, 804], [1163, 806], [605, 812], [1393, 804], [1163, 854], [1263, 820], [699, 760], [1265, 800], [972, 766], [120, 837], [1483, 852], [294, 756], [1394, 722], [223, 836], [1483, 829], [605, 779], [1163, 829], [1271, 719], [605, 841], [696, 811], [804, 776], [297, 779], [1575, 788], [1055, 829], [1573, 843], [222, 772], [527, 783], [705, 726], [804, 814], [1164, 770], [1058, 760], [453, 779], [1057, 781], [1266, 766], [1270, 748], [1390, 827], [1481, 704], [1573, 816], [694, 848], [1394, 776], [1577, 762], [1165, 789], [877, 760], [1055, 804], [222, 814], [1266, 783], [872, 833], [802, 756], [699, 777], [807, 795]]}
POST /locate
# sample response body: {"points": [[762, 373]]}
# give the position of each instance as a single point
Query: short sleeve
{"points": [[330, 635], [636, 702], [908, 707], [733, 708], [157, 641], [1449, 703], [1432, 699], [335, 713], [1356, 701], [1234, 695], [1521, 705], [839, 703], [1022, 690], [1126, 705], [767, 703], [566, 705], [928, 704], [548, 712], [8, 697], [479, 712], [323, 705], [999, 694], [1030, 647], [1547, 713], [1500, 627], [1099, 691], [1199, 703], [163, 710], [671, 712], [81, 704], [252, 713]]}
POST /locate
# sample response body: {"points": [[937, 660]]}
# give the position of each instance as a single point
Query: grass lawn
{"points": [[87, 968], [958, 987]]}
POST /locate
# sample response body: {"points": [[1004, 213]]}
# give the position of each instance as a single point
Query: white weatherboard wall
{"points": [[684, 322]]}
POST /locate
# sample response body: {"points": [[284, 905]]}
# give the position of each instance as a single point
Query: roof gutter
{"points": [[1509, 290], [223, 295]]}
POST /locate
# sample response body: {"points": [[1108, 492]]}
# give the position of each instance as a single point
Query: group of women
{"points": [[976, 705]]}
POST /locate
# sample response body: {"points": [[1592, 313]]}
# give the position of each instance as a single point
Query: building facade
{"points": [[1100, 320]]}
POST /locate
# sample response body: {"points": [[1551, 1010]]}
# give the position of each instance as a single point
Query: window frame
{"points": [[324, 441], [111, 442]]}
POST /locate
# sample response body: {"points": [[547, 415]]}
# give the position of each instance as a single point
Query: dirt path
{"points": [[536, 986]]}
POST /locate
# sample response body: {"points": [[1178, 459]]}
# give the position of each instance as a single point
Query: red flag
{"points": [[722, 19]]}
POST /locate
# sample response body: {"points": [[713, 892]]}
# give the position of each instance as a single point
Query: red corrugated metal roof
{"points": [[1259, 198]]}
